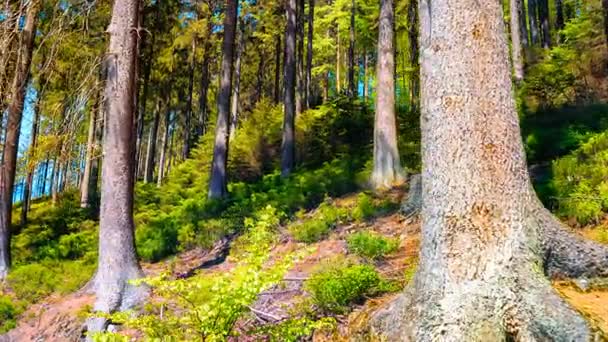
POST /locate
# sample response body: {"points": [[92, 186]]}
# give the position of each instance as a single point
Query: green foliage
{"points": [[319, 225], [9, 311], [339, 283], [365, 208], [295, 329], [370, 245], [580, 181]]}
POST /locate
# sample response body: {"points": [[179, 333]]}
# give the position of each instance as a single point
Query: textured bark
{"points": [[188, 117], [543, 16], [277, 70], [483, 229], [352, 87], [151, 150], [27, 187], [300, 91], [516, 49], [387, 165], [218, 180], [118, 264], [533, 19], [288, 142], [311, 21], [13, 126], [414, 54], [234, 108]]}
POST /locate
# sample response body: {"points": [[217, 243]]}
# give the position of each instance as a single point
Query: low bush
{"points": [[339, 283], [370, 245], [365, 208], [319, 225], [10, 309]]}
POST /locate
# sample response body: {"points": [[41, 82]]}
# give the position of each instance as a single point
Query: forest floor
{"points": [[60, 318]]}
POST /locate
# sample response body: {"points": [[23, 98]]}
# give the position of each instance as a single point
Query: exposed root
{"points": [[413, 203]]}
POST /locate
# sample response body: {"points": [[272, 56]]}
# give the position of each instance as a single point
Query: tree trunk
{"points": [[45, 174], [151, 152], [543, 14], [85, 188], [288, 148], [308, 85], [516, 50], [203, 116], [55, 180], [31, 165], [13, 126], [300, 100], [338, 64], [387, 166], [605, 15], [237, 81], [259, 87], [218, 179], [188, 118], [163, 151], [559, 15], [485, 236], [365, 76], [533, 19], [277, 70], [352, 87], [523, 23], [414, 55], [118, 265]]}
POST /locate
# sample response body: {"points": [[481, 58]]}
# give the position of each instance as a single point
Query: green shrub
{"points": [[9, 311], [315, 228], [365, 208], [339, 283], [371, 246]]}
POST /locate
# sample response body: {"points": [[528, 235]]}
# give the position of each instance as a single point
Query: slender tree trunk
{"points": [[559, 15], [13, 126], [326, 87], [605, 15], [203, 116], [338, 64], [118, 264], [141, 103], [365, 76], [95, 164], [188, 119], [300, 91], [523, 23], [237, 81], [277, 70], [387, 165], [85, 188], [544, 23], [218, 180], [486, 239], [45, 174], [31, 165], [55, 180], [352, 87], [533, 18], [517, 57], [414, 54], [288, 142], [308, 85], [163, 151], [151, 152], [259, 87]]}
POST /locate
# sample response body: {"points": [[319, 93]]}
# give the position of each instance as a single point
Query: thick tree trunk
{"points": [[308, 85], [485, 235], [288, 146], [533, 19], [234, 109], [516, 50], [188, 118], [13, 126], [151, 152], [543, 15], [31, 165], [163, 151], [118, 265], [387, 165], [414, 54], [352, 86], [277, 70], [218, 180], [300, 91]]}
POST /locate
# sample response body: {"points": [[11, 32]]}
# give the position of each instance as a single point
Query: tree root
{"points": [[413, 202]]}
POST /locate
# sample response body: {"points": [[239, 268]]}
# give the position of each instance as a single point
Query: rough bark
{"points": [[218, 180], [188, 117], [543, 16], [485, 235], [151, 150], [277, 70], [533, 19], [516, 47], [13, 126], [352, 86], [118, 265], [234, 108], [31, 165], [288, 142], [308, 85], [387, 165], [300, 91]]}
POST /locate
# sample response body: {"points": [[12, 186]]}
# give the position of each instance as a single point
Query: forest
{"points": [[303, 170]]}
